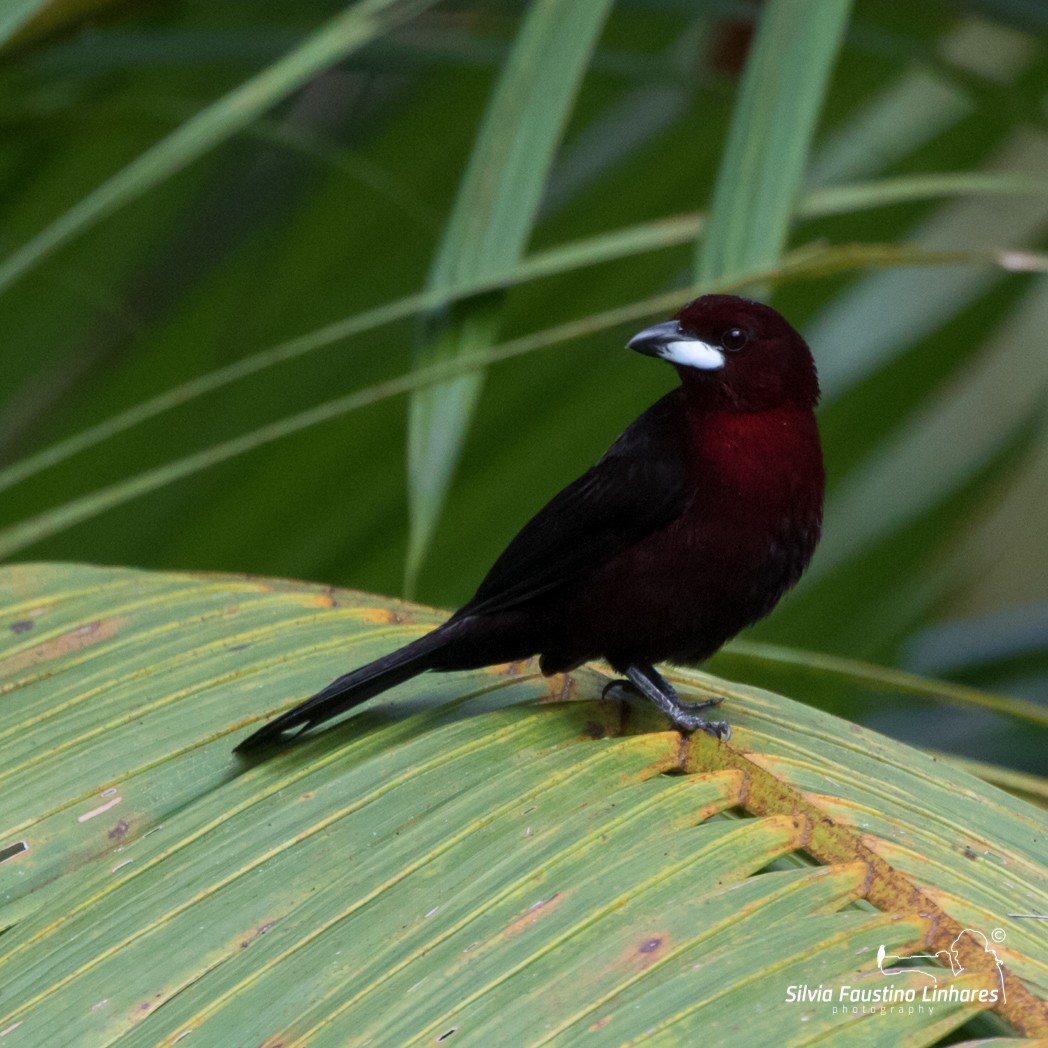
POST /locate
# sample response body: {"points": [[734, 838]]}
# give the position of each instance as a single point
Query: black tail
{"points": [[352, 689]]}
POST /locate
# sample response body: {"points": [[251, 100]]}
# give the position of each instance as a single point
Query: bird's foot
{"points": [[686, 716], [689, 722]]}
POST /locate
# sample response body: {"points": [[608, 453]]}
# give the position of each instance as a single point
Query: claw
{"points": [[684, 715], [689, 722], [619, 684]]}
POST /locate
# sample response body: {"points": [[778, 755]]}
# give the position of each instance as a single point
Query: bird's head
{"points": [[734, 353]]}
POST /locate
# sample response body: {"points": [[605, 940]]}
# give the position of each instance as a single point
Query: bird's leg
{"points": [[622, 684], [646, 679]]}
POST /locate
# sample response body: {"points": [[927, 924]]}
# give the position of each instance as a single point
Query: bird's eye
{"points": [[735, 338]]}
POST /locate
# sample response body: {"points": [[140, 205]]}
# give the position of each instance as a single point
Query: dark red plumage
{"points": [[691, 527]]}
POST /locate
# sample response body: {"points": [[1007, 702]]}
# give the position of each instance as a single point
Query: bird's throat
{"points": [[771, 457]]}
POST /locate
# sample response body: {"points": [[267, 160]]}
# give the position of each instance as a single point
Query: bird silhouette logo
{"points": [[950, 957]]}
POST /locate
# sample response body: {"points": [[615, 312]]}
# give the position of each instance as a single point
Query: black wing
{"points": [[639, 486]]}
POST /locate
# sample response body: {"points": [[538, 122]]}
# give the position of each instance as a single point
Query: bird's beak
{"points": [[667, 341]]}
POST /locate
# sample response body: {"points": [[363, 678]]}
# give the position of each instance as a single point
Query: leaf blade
{"points": [[343, 34], [488, 229], [759, 179], [495, 840]]}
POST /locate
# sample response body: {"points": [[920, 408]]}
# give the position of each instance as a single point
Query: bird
{"points": [[701, 515]]}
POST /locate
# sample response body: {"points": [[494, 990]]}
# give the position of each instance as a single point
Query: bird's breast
{"points": [[749, 529], [756, 514]]}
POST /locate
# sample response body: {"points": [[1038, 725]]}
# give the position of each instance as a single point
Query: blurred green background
{"points": [[128, 270]]}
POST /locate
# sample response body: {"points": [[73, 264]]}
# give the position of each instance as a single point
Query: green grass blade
{"points": [[488, 231], [590, 251], [648, 236], [771, 133], [838, 200], [14, 14], [803, 263], [342, 35], [886, 678], [21, 535]]}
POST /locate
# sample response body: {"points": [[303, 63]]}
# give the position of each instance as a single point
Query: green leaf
{"points": [[343, 34], [591, 251], [805, 262], [782, 92], [622, 243], [488, 231], [15, 14], [885, 678], [1032, 788], [843, 199], [487, 846]]}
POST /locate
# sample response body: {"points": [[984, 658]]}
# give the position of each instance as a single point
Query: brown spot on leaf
{"points": [[377, 616], [534, 913], [970, 853], [65, 644], [257, 933], [567, 686], [593, 730], [22, 626], [119, 830], [643, 953], [559, 688]]}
